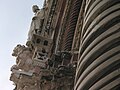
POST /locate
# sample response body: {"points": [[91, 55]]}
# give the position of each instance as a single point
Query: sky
{"points": [[15, 19]]}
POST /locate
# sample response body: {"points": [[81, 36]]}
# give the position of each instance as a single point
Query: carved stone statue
{"points": [[37, 22], [24, 57]]}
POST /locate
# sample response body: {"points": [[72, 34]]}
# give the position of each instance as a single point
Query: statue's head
{"points": [[35, 8]]}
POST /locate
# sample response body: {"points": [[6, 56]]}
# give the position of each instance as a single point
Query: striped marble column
{"points": [[99, 63]]}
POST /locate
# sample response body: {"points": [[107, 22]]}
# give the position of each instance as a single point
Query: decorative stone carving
{"points": [[23, 57], [23, 66], [41, 42], [28, 73]]}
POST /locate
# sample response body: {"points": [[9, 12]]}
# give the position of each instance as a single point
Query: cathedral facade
{"points": [[71, 45]]}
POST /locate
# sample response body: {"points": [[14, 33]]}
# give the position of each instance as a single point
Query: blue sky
{"points": [[15, 18]]}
